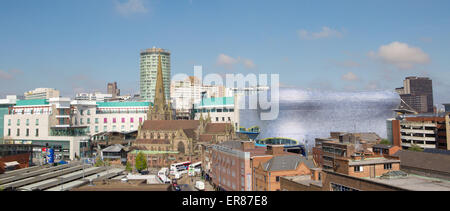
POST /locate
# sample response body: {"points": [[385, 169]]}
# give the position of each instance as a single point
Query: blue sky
{"points": [[80, 45]]}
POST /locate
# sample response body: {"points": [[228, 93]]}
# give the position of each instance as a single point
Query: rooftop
{"points": [[286, 162], [218, 101], [148, 152], [123, 104], [424, 160], [32, 102], [113, 148], [304, 180], [415, 183], [369, 161]]}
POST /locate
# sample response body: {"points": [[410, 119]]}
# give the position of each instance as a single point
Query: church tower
{"points": [[160, 110]]}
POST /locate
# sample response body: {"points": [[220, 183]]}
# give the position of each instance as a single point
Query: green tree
{"points": [[98, 162], [415, 148], [385, 142], [141, 162], [128, 167]]}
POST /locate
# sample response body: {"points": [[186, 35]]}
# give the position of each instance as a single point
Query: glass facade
{"points": [[148, 72]]}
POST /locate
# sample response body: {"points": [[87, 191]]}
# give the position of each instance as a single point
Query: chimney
{"points": [[275, 149], [247, 145]]}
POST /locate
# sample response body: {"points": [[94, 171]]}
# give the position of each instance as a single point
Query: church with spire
{"points": [[162, 134], [161, 110]]}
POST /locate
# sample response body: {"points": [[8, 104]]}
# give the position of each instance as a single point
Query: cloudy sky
{"points": [[80, 45]]}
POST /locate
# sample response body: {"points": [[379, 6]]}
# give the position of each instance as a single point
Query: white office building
{"points": [[220, 110], [41, 93], [46, 123]]}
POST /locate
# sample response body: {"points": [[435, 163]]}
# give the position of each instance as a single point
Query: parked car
{"points": [[200, 185]]}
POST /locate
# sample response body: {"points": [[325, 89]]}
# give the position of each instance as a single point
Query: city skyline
{"points": [[79, 46]]}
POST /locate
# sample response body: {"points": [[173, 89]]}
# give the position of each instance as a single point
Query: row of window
{"points": [[27, 132], [387, 166], [27, 123], [218, 110], [105, 120], [114, 128]]}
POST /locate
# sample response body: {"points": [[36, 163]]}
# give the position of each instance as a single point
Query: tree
{"points": [[141, 162], [415, 148], [385, 142], [128, 167], [98, 162]]}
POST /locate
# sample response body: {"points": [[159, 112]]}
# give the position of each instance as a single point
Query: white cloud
{"points": [[249, 64], [5, 75], [400, 55], [131, 7], [8, 75], [229, 62], [350, 77], [325, 33]]}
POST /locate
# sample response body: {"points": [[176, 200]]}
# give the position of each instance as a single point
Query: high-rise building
{"points": [[113, 90], [417, 93], [41, 93], [148, 72], [425, 131]]}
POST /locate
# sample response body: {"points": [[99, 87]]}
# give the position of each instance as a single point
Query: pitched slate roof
{"points": [[190, 133], [286, 162], [152, 141], [424, 160], [205, 138], [170, 124], [113, 148]]}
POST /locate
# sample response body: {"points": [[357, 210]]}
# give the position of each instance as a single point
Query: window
{"points": [[28, 132], [229, 119], [132, 120], [28, 122], [388, 166], [223, 119], [217, 119], [336, 187], [88, 120], [358, 168], [37, 132], [277, 178], [140, 119], [96, 129], [105, 120], [37, 122], [88, 112], [123, 128], [105, 128], [123, 120], [81, 112], [114, 120], [9, 132], [96, 120], [18, 122], [81, 121], [18, 132], [9, 122], [114, 128]]}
